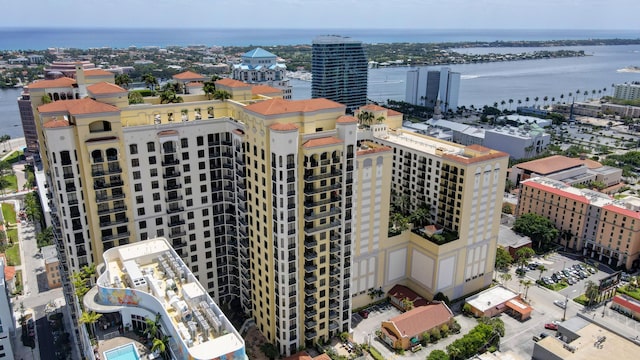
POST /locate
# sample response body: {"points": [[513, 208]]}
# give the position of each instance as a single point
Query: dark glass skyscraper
{"points": [[339, 68]]}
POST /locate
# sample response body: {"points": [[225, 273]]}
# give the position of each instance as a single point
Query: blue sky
{"points": [[425, 14]]}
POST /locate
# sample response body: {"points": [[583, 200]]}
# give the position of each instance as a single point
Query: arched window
{"points": [[96, 156], [99, 126], [112, 154]]}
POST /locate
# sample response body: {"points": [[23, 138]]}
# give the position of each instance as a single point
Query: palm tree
{"points": [[527, 284], [150, 81], [570, 95], [505, 277], [153, 326], [535, 99], [88, 271], [123, 80], [526, 100], [561, 97], [591, 291], [542, 269], [221, 95], [209, 88], [161, 345], [90, 318], [545, 99], [169, 96], [585, 95]]}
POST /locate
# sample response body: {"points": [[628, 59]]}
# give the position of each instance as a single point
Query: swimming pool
{"points": [[124, 352]]}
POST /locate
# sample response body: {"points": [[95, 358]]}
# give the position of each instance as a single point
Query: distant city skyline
{"points": [[327, 14]]}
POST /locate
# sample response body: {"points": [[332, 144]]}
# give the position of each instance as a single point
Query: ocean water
{"points": [[43, 38], [481, 84]]}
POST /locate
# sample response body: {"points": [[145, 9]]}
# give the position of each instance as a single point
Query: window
{"points": [[156, 196], [159, 221], [203, 188], [140, 211], [154, 185], [139, 199], [200, 140], [200, 153], [184, 142], [138, 187], [136, 175], [143, 224], [186, 167], [152, 160], [135, 162], [153, 172], [203, 177], [133, 149], [157, 208], [185, 156], [203, 199], [151, 147], [201, 165]]}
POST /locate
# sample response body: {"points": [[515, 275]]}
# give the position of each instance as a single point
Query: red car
{"points": [[551, 326], [364, 314]]}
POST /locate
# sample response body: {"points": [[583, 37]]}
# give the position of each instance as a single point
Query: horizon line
{"points": [[304, 28]]}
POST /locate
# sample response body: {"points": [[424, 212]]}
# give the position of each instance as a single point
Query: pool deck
{"points": [[126, 338]]}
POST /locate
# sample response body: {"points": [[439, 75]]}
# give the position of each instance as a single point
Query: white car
{"points": [[560, 303]]}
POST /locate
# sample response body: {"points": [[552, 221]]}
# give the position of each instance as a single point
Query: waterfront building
{"points": [[28, 123], [149, 280], [627, 91], [259, 66], [593, 223], [7, 322], [339, 69], [430, 88]]}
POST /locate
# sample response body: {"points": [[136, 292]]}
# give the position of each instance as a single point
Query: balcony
{"points": [[310, 243], [107, 198], [310, 268], [333, 294], [110, 171], [310, 324], [116, 236], [311, 255], [333, 304], [170, 162], [333, 173], [113, 223], [311, 229], [313, 216], [312, 204], [312, 190], [334, 249], [173, 210], [334, 260], [310, 301], [171, 174], [176, 223], [310, 291], [112, 210], [310, 279], [333, 325], [173, 198], [68, 175], [104, 185], [173, 187], [310, 313], [177, 233], [310, 335], [333, 314]]}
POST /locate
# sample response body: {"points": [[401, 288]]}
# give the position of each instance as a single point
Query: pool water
{"points": [[124, 352]]}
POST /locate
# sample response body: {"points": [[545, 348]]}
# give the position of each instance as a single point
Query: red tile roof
{"points": [[56, 124], [264, 89], [284, 127], [325, 141], [628, 302], [189, 75], [421, 319], [282, 106], [470, 160], [9, 271], [231, 83], [401, 292], [345, 119], [56, 83], [550, 165], [622, 211], [478, 148], [77, 107], [97, 72], [105, 88], [552, 190], [374, 107]]}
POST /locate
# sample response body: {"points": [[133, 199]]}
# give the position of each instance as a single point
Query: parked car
{"points": [[570, 281], [560, 304], [533, 266], [591, 270], [364, 314], [551, 326], [521, 271]]}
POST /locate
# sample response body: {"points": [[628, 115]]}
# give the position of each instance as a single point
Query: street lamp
{"points": [[566, 305]]}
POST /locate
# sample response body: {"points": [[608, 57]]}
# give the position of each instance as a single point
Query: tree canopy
{"points": [[540, 229], [503, 259]]}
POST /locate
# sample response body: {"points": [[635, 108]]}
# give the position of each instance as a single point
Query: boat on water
{"points": [[632, 69]]}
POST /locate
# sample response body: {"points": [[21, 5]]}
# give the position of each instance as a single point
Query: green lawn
{"points": [[14, 157], [9, 213], [13, 255], [19, 286], [12, 236], [11, 183], [634, 293]]}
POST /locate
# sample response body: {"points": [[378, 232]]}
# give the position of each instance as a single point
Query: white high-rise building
{"points": [[431, 87]]}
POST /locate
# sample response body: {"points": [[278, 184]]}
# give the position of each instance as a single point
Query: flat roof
{"points": [[491, 297], [188, 313], [594, 342]]}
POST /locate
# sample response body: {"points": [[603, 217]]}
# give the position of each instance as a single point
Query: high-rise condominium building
{"points": [[339, 69], [627, 91], [261, 67], [279, 208], [431, 87]]}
